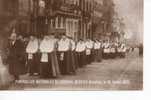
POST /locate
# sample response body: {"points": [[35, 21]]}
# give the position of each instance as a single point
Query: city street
{"points": [[112, 74]]}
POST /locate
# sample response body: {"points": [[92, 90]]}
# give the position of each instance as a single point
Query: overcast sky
{"points": [[132, 12]]}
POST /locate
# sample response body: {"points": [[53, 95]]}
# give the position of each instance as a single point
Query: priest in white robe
{"points": [[47, 63], [113, 51], [89, 50], [97, 51], [64, 54], [73, 56], [80, 53], [31, 50], [53, 57], [106, 50]]}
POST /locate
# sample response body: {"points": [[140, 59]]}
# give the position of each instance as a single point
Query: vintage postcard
{"points": [[71, 45]]}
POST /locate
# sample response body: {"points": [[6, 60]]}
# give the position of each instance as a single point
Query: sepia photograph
{"points": [[71, 45]]}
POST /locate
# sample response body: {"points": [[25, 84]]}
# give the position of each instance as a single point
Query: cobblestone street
{"points": [[114, 74]]}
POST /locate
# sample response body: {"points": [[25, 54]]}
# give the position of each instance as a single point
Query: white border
{"points": [[106, 95]]}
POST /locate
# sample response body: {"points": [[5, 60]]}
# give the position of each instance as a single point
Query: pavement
{"points": [[112, 74]]}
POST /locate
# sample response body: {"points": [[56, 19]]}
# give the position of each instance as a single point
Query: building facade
{"points": [[15, 16], [70, 16], [76, 18], [103, 20]]}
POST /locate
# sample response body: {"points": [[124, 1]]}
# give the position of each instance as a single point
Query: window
{"points": [[41, 7], [10, 6]]}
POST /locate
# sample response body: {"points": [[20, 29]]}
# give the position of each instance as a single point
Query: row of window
{"points": [[74, 2], [87, 5], [62, 22], [11, 6]]}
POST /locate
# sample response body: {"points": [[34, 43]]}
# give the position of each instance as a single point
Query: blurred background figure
{"points": [[5, 77]]}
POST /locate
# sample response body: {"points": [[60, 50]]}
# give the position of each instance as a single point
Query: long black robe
{"points": [[81, 59], [16, 58], [49, 68], [65, 62], [33, 64]]}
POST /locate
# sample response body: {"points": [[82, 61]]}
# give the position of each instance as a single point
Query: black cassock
{"points": [[65, 61], [16, 58], [33, 64]]}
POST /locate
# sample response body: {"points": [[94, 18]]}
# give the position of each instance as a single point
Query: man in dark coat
{"points": [[16, 59]]}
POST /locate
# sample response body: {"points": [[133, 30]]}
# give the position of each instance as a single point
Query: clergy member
{"points": [[46, 48], [97, 50], [80, 53], [31, 50], [89, 46], [64, 57]]}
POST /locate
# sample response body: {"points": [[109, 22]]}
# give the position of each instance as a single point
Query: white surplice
{"points": [[32, 48]]}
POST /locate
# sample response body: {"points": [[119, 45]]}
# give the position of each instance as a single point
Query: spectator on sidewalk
{"points": [[16, 57]]}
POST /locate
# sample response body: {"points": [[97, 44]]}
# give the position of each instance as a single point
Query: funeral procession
{"points": [[71, 44]]}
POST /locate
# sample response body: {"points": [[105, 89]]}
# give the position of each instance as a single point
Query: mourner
{"points": [[49, 65], [16, 58], [101, 50], [106, 50], [122, 50], [26, 40], [53, 56], [116, 49], [97, 50], [20, 37], [31, 50], [64, 57], [89, 50], [73, 56], [112, 51], [80, 53]]}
